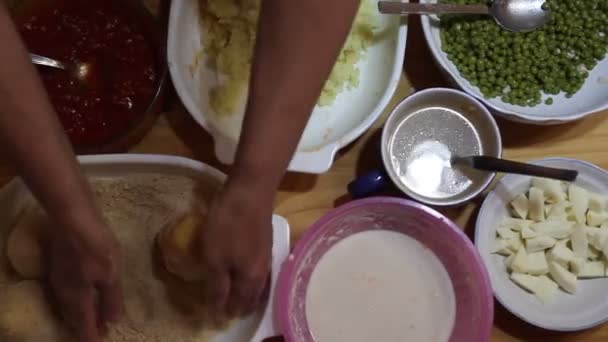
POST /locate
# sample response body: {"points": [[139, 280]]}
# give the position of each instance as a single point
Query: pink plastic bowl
{"points": [[474, 303]]}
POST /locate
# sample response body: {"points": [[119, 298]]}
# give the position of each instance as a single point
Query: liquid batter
{"points": [[380, 285]]}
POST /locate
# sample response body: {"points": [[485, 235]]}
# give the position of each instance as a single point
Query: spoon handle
{"points": [[396, 7], [41, 60], [501, 165]]}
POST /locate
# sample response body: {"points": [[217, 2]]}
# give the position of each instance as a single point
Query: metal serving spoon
{"points": [[492, 164], [512, 15], [81, 71]]}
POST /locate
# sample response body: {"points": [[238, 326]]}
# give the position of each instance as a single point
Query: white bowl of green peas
{"points": [[554, 75]]}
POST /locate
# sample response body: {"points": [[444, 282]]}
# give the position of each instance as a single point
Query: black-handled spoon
{"points": [[492, 164]]}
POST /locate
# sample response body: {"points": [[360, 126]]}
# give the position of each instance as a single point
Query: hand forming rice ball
{"points": [[178, 247]]}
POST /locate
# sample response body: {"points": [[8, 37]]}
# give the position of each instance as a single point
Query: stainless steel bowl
{"points": [[425, 131]]}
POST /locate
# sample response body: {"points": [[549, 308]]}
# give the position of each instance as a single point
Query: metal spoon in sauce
{"points": [[492, 164], [512, 15], [82, 71]]}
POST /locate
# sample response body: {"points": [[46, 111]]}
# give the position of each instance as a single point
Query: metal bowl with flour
{"points": [[421, 136]]}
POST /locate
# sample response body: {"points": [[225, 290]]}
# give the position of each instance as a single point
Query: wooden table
{"points": [[303, 199]]}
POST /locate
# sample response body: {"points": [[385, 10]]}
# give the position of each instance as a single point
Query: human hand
{"points": [[85, 278], [236, 249]]}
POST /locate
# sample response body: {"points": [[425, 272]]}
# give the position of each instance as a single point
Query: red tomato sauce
{"points": [[124, 71]]}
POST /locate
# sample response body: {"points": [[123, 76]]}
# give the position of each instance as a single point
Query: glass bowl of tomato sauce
{"points": [[123, 46]]}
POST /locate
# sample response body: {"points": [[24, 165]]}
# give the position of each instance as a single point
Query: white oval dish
{"points": [[588, 307], [329, 129], [254, 328], [460, 105], [590, 99]]}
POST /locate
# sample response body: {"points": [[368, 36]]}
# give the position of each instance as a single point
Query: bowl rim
{"points": [[289, 267], [478, 232], [508, 114], [178, 83], [454, 200]]}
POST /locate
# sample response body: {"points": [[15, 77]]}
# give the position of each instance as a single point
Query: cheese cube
{"points": [[600, 238], [515, 223], [539, 243], [545, 289], [528, 233], [579, 241], [577, 264], [591, 233], [552, 189], [595, 219], [562, 254], [536, 204], [593, 269], [501, 247], [525, 281], [537, 263], [505, 233], [605, 249], [554, 229], [598, 203], [592, 253], [508, 261], [559, 211], [571, 217], [520, 206], [520, 262], [514, 243], [563, 277], [579, 198], [563, 242], [548, 208]]}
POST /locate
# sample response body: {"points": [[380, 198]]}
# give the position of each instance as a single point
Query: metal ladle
{"points": [[81, 71], [512, 15]]}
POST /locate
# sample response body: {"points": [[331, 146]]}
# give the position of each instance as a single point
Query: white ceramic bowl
{"points": [[589, 306], [254, 328], [590, 99], [329, 129]]}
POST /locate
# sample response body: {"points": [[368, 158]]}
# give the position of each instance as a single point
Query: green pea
{"points": [[547, 60]]}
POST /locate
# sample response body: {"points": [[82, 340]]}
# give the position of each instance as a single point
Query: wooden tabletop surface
{"points": [[303, 199]]}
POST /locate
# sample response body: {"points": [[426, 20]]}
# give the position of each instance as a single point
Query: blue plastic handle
{"points": [[368, 184]]}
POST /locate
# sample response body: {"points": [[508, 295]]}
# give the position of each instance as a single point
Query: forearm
{"points": [[297, 45], [33, 137]]}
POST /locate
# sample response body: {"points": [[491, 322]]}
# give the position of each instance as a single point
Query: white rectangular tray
{"points": [[255, 328]]}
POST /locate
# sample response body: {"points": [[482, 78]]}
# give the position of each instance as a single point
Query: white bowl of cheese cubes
{"points": [[545, 245]]}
